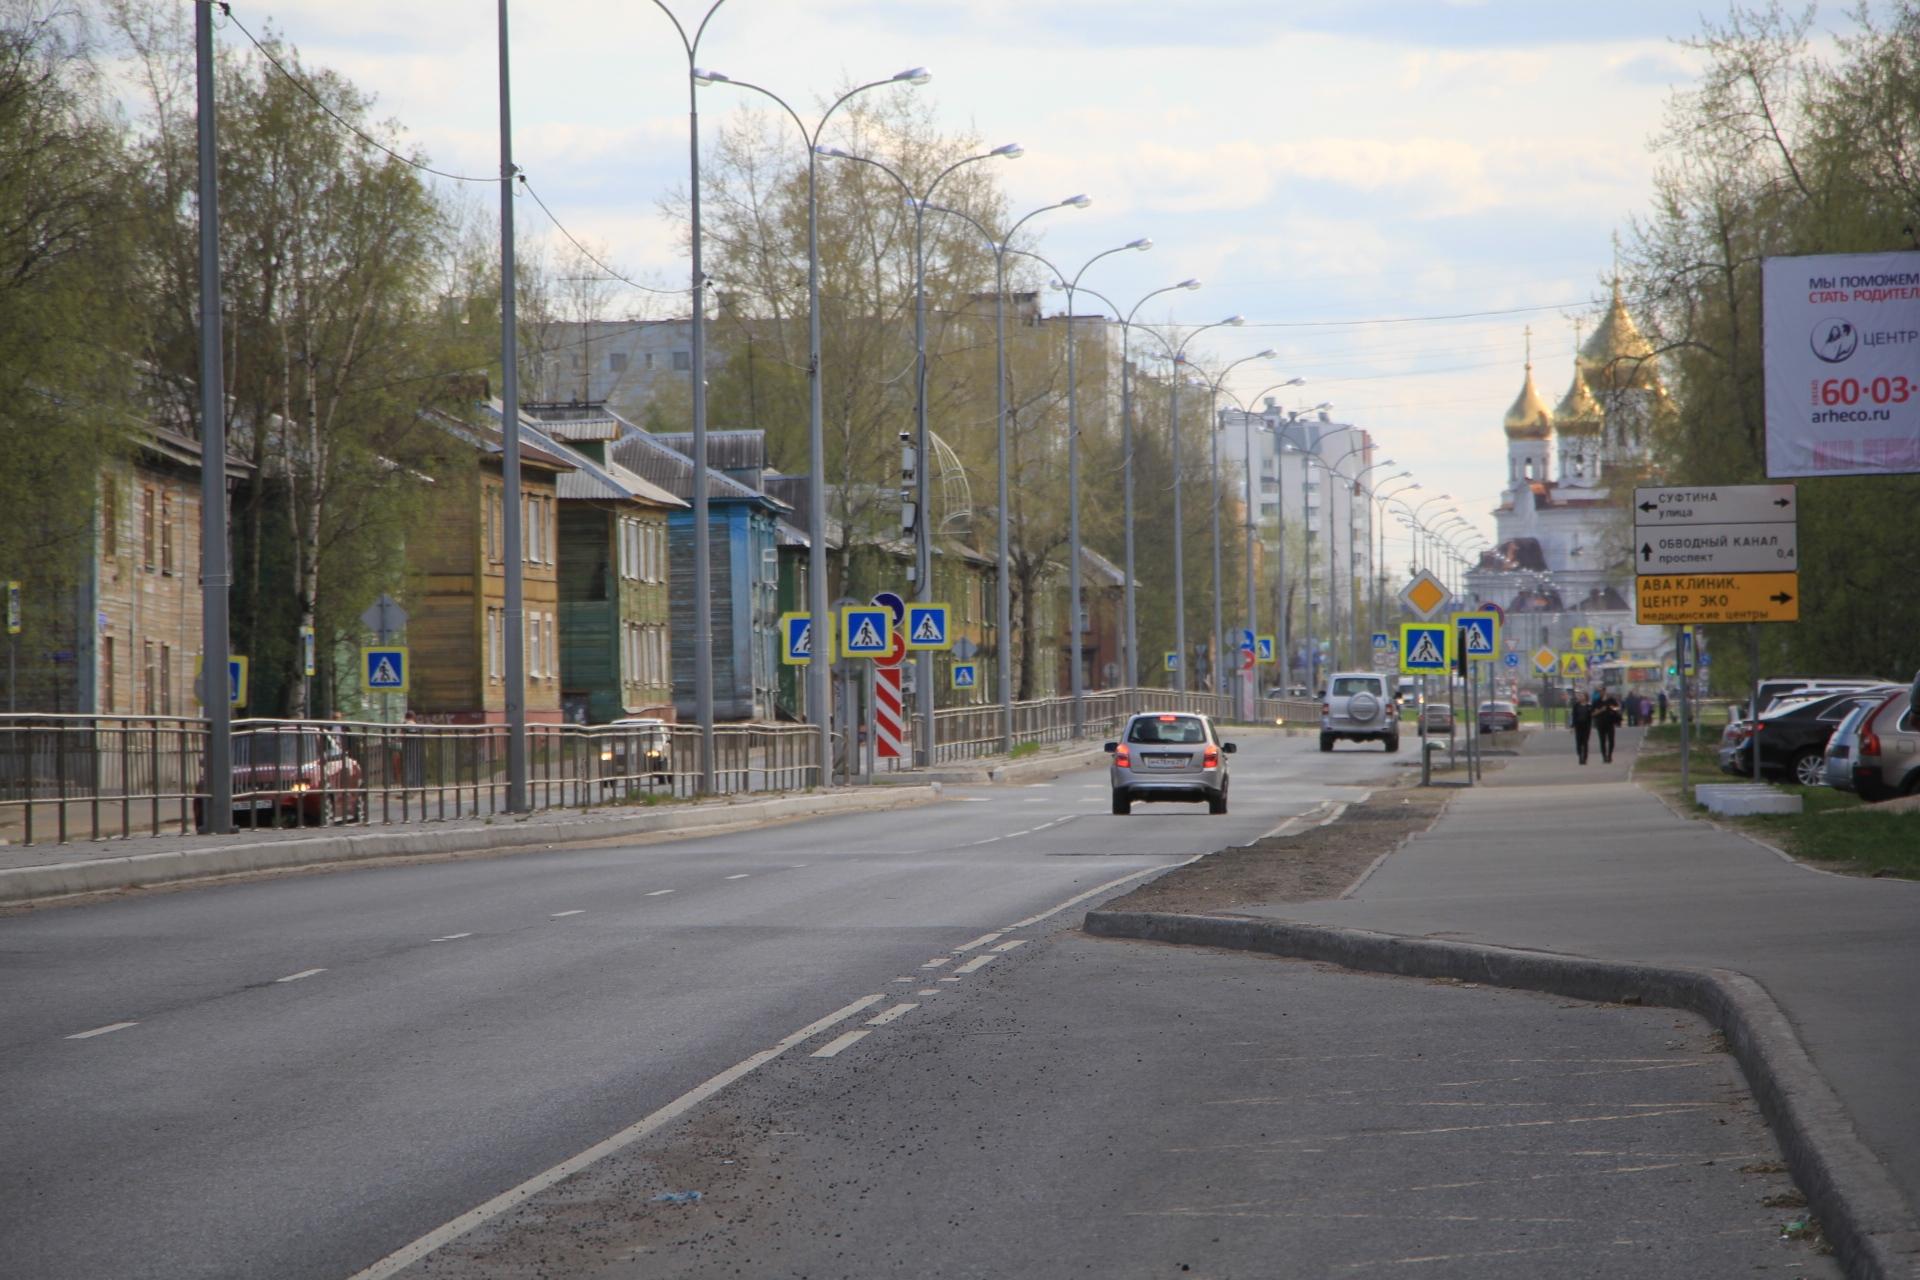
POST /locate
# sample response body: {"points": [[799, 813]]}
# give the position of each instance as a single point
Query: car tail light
{"points": [[1210, 759], [1122, 758]]}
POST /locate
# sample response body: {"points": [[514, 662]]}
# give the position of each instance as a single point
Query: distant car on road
{"points": [[633, 749], [1528, 698], [291, 775], [1436, 718], [1169, 756], [1499, 717], [1358, 708]]}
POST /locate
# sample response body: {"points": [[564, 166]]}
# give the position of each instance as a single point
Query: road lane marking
{"points": [[833, 1047], [936, 962], [1008, 946], [975, 965], [1099, 889], [659, 893], [452, 937], [408, 1254], [100, 1031], [304, 973], [898, 1011], [928, 991], [561, 915], [742, 876], [976, 800], [980, 941]]}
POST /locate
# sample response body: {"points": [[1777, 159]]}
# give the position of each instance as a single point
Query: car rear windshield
{"points": [[1178, 729], [1347, 686]]}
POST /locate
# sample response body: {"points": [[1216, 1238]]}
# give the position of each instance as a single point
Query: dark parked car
{"points": [[1498, 717], [1793, 737], [291, 775]]}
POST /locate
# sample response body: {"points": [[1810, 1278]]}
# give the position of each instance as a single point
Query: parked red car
{"points": [[291, 775]]}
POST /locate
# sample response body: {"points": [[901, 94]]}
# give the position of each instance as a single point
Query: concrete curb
{"points": [[94, 875], [1867, 1220]]}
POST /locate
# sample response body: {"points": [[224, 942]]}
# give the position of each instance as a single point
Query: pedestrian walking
{"points": [[1663, 706], [1580, 720], [1606, 721]]}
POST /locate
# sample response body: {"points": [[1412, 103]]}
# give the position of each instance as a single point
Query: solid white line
{"points": [[974, 965], [100, 1031], [452, 937], [1008, 946], [980, 941], [897, 1011], [658, 893], [833, 1047], [936, 963], [577, 911], [407, 1255], [742, 876], [1097, 890], [304, 973]]}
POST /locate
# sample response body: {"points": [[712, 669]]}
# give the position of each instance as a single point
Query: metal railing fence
{"points": [[70, 777]]}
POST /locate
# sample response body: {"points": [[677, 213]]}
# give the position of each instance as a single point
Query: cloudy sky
{"points": [[1324, 166]]}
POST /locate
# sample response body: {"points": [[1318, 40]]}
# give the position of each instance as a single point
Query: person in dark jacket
{"points": [[1606, 720], [1663, 706], [1580, 720]]}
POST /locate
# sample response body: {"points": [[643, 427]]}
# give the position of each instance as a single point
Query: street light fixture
{"points": [[923, 529], [1179, 535], [1219, 638], [819, 670]]}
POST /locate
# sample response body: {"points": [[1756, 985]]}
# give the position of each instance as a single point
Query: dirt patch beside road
{"points": [[1309, 865]]}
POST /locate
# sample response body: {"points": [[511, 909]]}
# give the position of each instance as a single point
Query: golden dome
{"points": [[1618, 356], [1578, 413], [1529, 418]]}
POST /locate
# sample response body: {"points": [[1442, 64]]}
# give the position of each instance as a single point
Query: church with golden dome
{"points": [[1562, 556]]}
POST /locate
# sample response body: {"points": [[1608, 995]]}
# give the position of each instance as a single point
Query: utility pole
{"points": [[510, 459], [215, 573]]}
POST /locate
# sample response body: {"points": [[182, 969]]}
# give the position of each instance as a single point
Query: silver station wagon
{"points": [[1164, 755]]}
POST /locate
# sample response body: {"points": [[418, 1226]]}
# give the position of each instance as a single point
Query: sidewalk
{"points": [[1554, 857]]}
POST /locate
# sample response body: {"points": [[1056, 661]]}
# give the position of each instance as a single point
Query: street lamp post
{"points": [[702, 567], [1179, 539], [1004, 616], [923, 560], [1369, 598], [1247, 421], [1214, 386], [1333, 549], [819, 670]]}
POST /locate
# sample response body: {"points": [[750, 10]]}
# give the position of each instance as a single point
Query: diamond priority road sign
{"points": [[1426, 595], [1545, 660]]}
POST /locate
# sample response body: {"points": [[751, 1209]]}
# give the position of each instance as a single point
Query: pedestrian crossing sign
{"points": [[796, 639], [1170, 662], [1573, 664], [1426, 649], [927, 627], [1583, 639], [965, 675], [866, 631], [1265, 648], [1479, 635], [383, 668]]}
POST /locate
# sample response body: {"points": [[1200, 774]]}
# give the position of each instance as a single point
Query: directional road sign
{"points": [[1382, 642], [1479, 635], [1511, 662], [1718, 597], [1722, 504], [1545, 660], [796, 639], [893, 604], [1426, 595], [1582, 641], [237, 672], [965, 675], [1718, 548], [384, 669], [13, 608], [1426, 649], [1265, 648], [1573, 664], [927, 627], [866, 631]]}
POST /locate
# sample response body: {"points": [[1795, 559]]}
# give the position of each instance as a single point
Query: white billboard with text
{"points": [[1842, 337]]}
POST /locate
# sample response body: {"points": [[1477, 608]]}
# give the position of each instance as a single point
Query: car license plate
{"points": [[1166, 762]]}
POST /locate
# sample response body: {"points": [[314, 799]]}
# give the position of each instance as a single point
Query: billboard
{"points": [[1842, 341]]}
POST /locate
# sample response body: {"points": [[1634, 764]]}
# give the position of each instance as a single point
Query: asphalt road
{"points": [[295, 1077]]}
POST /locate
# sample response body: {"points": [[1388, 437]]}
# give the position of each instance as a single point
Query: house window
{"points": [[616, 362], [150, 684], [166, 679], [493, 525], [496, 642], [147, 514], [553, 646], [110, 518], [682, 361], [107, 691], [647, 360], [166, 533], [532, 641]]}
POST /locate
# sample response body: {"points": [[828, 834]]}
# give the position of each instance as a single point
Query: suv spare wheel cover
{"points": [[1363, 706]]}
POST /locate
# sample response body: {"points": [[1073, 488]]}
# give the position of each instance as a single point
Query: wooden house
{"points": [[456, 601], [616, 651]]}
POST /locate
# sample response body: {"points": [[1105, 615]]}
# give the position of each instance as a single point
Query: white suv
{"points": [[1359, 708]]}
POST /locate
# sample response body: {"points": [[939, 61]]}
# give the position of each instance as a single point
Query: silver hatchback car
{"points": [[1166, 755]]}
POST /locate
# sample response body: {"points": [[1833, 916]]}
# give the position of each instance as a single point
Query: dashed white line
{"points": [[304, 973], [452, 937], [100, 1031], [838, 1043], [899, 1010], [980, 941], [742, 876], [928, 991], [974, 965], [405, 1256], [659, 893], [1009, 946], [561, 915], [936, 962], [1097, 890]]}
